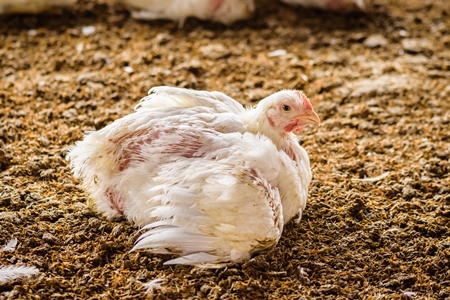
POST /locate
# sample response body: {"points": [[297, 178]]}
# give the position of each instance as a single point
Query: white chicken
{"points": [[337, 5], [211, 181], [222, 11], [31, 6]]}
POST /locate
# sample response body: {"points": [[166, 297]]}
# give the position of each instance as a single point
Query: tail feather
{"points": [[174, 240], [199, 259]]}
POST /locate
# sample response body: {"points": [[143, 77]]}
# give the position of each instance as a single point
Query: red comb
{"points": [[305, 99]]}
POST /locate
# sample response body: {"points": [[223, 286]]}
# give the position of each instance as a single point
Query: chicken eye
{"points": [[286, 107]]}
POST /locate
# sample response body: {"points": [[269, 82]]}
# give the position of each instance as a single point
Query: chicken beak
{"points": [[310, 117]]}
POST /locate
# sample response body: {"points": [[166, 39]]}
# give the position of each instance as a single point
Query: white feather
{"points": [[201, 259], [13, 272], [154, 284], [10, 246]]}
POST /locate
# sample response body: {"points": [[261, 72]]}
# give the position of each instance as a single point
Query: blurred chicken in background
{"points": [[32, 6], [337, 5], [222, 11]]}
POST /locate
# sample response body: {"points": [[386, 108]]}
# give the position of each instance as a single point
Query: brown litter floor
{"points": [[380, 82]]}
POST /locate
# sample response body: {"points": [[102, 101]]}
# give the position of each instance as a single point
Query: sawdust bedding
{"points": [[379, 81]]}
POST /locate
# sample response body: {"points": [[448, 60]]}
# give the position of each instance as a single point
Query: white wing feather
{"points": [[233, 212], [151, 136]]}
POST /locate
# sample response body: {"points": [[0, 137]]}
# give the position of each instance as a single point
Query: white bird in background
{"points": [[31, 6], [222, 11], [337, 5], [211, 181]]}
